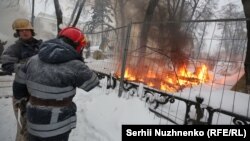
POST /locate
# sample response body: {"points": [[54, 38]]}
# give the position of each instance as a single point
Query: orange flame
{"points": [[169, 81]]}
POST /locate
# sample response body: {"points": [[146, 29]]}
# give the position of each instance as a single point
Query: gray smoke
{"points": [[9, 11]]}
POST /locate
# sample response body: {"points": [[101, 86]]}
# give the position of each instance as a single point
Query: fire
{"points": [[169, 81], [203, 74], [128, 75]]}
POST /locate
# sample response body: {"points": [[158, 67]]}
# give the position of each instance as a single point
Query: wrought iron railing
{"points": [[165, 98]]}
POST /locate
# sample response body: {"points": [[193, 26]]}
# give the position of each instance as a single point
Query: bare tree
{"points": [[59, 16], [74, 12], [246, 5], [233, 32], [101, 16], [147, 20], [175, 37], [167, 35]]}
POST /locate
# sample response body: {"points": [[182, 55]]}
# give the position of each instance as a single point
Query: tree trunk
{"points": [[32, 13], [147, 19], [246, 5], [79, 13], [58, 14], [121, 21], [74, 12]]}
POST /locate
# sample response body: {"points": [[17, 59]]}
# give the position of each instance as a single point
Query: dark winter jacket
{"points": [[16, 55], [54, 74]]}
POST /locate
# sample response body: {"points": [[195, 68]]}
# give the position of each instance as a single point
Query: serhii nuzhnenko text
{"points": [[160, 132]]}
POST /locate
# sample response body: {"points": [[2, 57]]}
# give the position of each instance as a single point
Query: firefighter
{"points": [[51, 78], [12, 58]]}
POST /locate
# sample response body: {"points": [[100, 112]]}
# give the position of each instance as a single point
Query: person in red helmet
{"points": [[52, 77], [75, 35]]}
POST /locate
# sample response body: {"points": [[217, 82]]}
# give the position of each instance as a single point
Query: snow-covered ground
{"points": [[101, 113]]}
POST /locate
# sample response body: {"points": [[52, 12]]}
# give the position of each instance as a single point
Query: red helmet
{"points": [[75, 35]]}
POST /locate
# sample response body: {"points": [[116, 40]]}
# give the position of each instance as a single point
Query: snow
{"points": [[101, 113]]}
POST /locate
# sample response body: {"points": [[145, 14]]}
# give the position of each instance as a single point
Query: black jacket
{"points": [[16, 55], [19, 53]]}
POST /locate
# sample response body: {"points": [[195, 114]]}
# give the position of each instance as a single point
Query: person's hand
{"points": [[21, 104]]}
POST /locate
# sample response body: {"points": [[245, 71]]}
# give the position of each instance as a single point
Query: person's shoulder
{"points": [[53, 40], [39, 41], [13, 49], [76, 61], [33, 59], [14, 45], [77, 64], [18, 43]]}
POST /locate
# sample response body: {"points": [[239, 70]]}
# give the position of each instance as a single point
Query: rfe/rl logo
{"points": [[225, 132]]}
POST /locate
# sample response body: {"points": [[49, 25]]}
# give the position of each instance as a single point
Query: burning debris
{"points": [[166, 80], [162, 60]]}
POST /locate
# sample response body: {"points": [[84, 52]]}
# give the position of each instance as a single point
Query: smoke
{"points": [[135, 10], [169, 39], [9, 11], [175, 43], [13, 9]]}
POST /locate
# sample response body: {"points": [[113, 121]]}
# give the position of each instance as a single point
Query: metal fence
{"points": [[187, 71]]}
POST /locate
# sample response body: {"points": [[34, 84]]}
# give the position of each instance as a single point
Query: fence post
{"points": [[124, 59], [32, 13]]}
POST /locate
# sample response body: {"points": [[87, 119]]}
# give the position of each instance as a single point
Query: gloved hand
{"points": [[21, 104], [20, 64], [23, 61]]}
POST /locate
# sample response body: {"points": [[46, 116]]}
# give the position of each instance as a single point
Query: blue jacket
{"points": [[16, 55], [54, 74]]}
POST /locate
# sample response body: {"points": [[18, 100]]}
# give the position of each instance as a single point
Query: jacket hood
{"points": [[56, 51]]}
